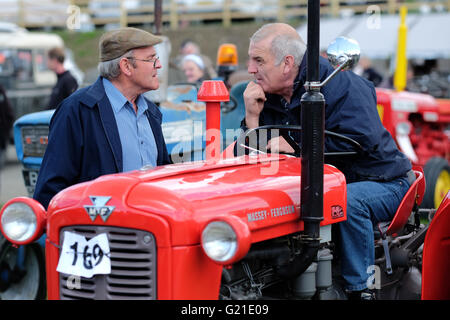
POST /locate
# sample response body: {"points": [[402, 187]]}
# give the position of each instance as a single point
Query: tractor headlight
{"points": [[22, 220], [18, 222], [219, 241], [403, 128]]}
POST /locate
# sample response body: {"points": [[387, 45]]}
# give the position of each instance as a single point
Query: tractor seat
{"points": [[413, 196], [411, 199]]}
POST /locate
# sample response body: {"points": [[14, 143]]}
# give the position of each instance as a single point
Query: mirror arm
{"points": [[315, 86]]}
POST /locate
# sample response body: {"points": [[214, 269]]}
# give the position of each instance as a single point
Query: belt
{"points": [[411, 177]]}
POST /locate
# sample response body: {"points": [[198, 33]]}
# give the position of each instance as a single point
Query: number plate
{"points": [[84, 258], [30, 178]]}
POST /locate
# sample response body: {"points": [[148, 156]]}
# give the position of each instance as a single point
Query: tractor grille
{"points": [[133, 267]]}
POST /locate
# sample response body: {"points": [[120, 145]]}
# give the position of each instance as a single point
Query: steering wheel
{"points": [[229, 106], [284, 129]]}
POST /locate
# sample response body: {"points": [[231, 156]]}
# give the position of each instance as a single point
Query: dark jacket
{"points": [[84, 142], [64, 87], [350, 110]]}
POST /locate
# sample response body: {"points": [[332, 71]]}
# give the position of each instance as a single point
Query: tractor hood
{"points": [[411, 102], [262, 191]]}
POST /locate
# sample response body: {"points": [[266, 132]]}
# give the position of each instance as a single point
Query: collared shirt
{"points": [[136, 135]]}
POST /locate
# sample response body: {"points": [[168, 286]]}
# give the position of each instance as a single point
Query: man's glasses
{"points": [[146, 60]]}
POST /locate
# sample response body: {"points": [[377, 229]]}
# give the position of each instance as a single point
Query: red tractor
{"points": [[420, 124], [250, 227]]}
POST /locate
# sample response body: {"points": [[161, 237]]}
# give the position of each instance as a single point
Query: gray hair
{"points": [[282, 44], [111, 69]]}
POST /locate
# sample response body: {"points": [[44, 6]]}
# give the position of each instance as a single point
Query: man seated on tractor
{"points": [[377, 179], [108, 127]]}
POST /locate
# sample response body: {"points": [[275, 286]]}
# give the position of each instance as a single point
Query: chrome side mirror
{"points": [[344, 53]]}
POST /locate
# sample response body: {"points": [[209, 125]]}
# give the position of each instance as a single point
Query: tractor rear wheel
{"points": [[437, 177]]}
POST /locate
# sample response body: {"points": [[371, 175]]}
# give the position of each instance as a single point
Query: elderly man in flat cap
{"points": [[108, 127]]}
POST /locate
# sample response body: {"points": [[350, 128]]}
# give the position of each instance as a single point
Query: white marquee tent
{"points": [[428, 34]]}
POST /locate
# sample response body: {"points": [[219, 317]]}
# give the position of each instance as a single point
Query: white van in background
{"points": [[23, 67]]}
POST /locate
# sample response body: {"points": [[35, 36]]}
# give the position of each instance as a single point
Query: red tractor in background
{"points": [[420, 124]]}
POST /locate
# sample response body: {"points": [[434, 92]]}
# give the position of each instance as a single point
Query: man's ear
{"points": [[125, 66], [289, 63]]}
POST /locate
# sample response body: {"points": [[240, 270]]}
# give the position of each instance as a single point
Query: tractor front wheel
{"points": [[22, 272]]}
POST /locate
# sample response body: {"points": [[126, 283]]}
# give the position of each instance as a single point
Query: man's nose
{"points": [[251, 68]]}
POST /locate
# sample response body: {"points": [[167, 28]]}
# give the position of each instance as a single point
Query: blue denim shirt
{"points": [[136, 136]]}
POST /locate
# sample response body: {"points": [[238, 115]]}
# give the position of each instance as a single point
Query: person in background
{"points": [[194, 69], [190, 47], [6, 123], [65, 84], [365, 70], [109, 126]]}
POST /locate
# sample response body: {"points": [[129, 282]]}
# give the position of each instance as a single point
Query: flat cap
{"points": [[116, 43]]}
